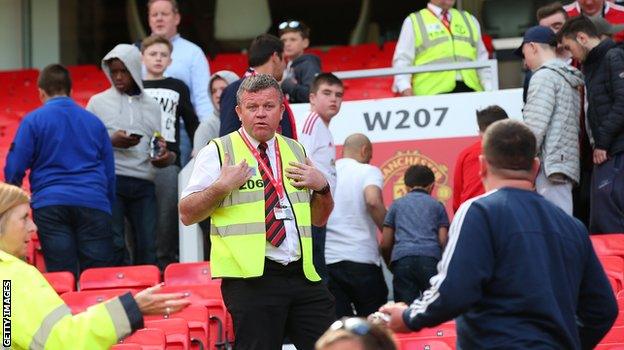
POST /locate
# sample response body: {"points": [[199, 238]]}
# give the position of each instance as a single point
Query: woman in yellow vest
{"points": [[38, 317], [440, 34]]}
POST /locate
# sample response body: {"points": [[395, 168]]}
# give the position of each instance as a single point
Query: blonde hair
{"points": [[10, 197], [377, 337]]}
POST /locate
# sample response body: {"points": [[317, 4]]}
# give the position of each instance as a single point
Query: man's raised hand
{"points": [[234, 176]]}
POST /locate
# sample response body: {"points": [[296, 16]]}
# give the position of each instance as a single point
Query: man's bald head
{"points": [[358, 147]]}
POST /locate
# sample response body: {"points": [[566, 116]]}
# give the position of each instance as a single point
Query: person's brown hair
{"points": [[325, 78], [509, 145], [10, 197], [549, 10], [301, 28], [578, 24], [174, 5], [155, 39], [54, 79], [489, 115]]}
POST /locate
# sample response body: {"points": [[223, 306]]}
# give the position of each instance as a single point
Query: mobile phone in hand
{"points": [[138, 136]]}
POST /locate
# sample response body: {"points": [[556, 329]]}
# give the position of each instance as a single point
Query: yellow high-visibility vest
{"points": [[41, 320], [238, 232], [435, 44]]}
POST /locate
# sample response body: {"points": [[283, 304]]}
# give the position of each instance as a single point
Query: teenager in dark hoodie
{"points": [[301, 68], [132, 118]]}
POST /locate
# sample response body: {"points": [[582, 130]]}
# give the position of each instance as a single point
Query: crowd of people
{"points": [[293, 230]]}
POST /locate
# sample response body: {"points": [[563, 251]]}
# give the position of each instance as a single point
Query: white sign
{"points": [[414, 118]]}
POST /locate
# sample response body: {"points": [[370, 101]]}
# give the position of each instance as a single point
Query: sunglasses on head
{"points": [[357, 326], [289, 24]]}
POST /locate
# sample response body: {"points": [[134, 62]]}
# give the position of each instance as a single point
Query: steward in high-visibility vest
{"points": [[238, 232], [41, 320], [434, 43]]}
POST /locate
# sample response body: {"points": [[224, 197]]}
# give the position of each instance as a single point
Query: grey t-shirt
{"points": [[416, 219]]}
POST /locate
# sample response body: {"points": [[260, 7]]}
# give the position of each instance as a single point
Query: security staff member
{"points": [[262, 195], [39, 319], [440, 34]]}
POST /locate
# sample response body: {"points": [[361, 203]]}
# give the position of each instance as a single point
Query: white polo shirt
{"points": [[206, 171]]}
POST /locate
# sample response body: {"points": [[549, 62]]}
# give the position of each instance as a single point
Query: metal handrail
{"points": [[425, 68]]}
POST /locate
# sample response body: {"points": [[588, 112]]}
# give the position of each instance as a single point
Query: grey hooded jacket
{"points": [[552, 112], [138, 114]]}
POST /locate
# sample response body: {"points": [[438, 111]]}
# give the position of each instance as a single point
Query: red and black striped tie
{"points": [[275, 230]]}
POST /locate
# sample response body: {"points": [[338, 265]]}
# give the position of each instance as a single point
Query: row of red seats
{"points": [[610, 251], [204, 324]]}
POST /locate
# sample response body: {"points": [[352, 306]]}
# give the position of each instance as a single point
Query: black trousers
{"points": [[362, 285], [280, 303]]}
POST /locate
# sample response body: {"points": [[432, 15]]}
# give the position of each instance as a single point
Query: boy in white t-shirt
{"points": [[325, 101], [352, 252]]}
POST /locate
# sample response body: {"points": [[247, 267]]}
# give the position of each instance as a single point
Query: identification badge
{"points": [[283, 213]]}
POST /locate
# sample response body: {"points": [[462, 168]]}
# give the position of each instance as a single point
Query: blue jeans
{"points": [[362, 285], [411, 276], [75, 238], [318, 251], [136, 201]]}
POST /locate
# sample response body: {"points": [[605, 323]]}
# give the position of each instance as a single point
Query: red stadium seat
{"points": [[221, 327], [423, 344], [176, 332], [126, 347], [188, 273], [196, 317], [80, 301], [609, 244], [614, 267], [443, 330], [62, 282], [615, 284], [135, 277], [615, 335], [614, 346], [148, 338]]}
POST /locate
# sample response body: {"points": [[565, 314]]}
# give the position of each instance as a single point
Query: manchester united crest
{"points": [[394, 168]]}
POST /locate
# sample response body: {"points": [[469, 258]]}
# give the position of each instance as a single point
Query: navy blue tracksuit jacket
{"points": [[520, 274]]}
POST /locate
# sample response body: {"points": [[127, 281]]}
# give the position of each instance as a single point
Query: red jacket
{"points": [[466, 180], [613, 13]]}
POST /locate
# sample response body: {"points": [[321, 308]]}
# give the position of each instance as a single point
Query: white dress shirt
{"points": [[189, 64], [405, 51], [206, 171]]}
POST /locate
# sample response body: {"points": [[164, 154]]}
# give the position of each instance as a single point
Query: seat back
{"points": [[176, 332], [148, 338], [197, 318], [136, 277], [615, 335], [608, 244], [188, 273], [62, 282], [423, 344], [80, 301], [220, 322]]}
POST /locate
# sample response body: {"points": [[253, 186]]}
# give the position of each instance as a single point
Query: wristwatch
{"points": [[323, 190]]}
